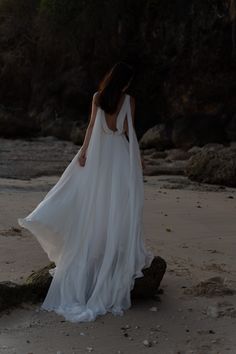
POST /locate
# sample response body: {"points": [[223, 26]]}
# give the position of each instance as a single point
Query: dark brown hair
{"points": [[111, 86]]}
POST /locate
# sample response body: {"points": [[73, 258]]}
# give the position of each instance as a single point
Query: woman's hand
{"points": [[82, 157]]}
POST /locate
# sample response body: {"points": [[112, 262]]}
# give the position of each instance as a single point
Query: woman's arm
{"points": [[90, 125], [82, 155]]}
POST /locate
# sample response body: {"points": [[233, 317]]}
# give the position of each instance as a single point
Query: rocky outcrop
{"points": [[156, 137], [36, 285], [213, 165], [181, 50]]}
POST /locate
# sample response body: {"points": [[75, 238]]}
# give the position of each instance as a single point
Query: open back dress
{"points": [[91, 225]]}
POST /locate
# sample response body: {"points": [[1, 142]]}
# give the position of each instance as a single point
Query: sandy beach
{"points": [[192, 226]]}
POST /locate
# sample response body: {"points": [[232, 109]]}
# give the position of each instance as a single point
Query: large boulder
{"points": [[215, 166], [36, 285], [156, 137]]}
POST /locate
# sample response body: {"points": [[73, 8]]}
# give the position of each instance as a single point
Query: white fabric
{"points": [[91, 225]]}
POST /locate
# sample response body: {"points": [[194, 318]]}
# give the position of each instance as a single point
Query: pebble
{"points": [[147, 343], [89, 349], [153, 309], [126, 327], [212, 311]]}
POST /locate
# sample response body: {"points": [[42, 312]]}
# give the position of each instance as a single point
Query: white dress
{"points": [[91, 225]]}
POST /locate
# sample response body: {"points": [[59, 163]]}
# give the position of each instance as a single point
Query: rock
{"points": [[217, 166], [194, 150], [33, 290], [147, 151], [36, 285], [153, 309], [159, 155], [147, 286], [147, 343], [213, 146], [177, 154], [212, 311], [165, 168], [156, 137]]}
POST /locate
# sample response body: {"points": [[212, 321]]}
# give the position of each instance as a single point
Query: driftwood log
{"points": [[36, 285]]}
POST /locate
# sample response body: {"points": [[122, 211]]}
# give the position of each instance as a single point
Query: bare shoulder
{"points": [[95, 98]]}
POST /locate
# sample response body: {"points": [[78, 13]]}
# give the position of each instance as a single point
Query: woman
{"points": [[90, 223]]}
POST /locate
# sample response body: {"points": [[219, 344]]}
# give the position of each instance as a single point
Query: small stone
{"points": [[153, 309], [147, 343], [211, 331], [82, 334], [212, 311], [89, 349], [168, 229], [124, 328]]}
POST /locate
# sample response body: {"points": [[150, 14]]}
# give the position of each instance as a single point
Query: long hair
{"points": [[111, 86]]}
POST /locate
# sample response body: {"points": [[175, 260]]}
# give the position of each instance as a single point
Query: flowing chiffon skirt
{"points": [[91, 225]]}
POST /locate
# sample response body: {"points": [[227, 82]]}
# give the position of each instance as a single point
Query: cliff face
{"points": [[53, 54]]}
